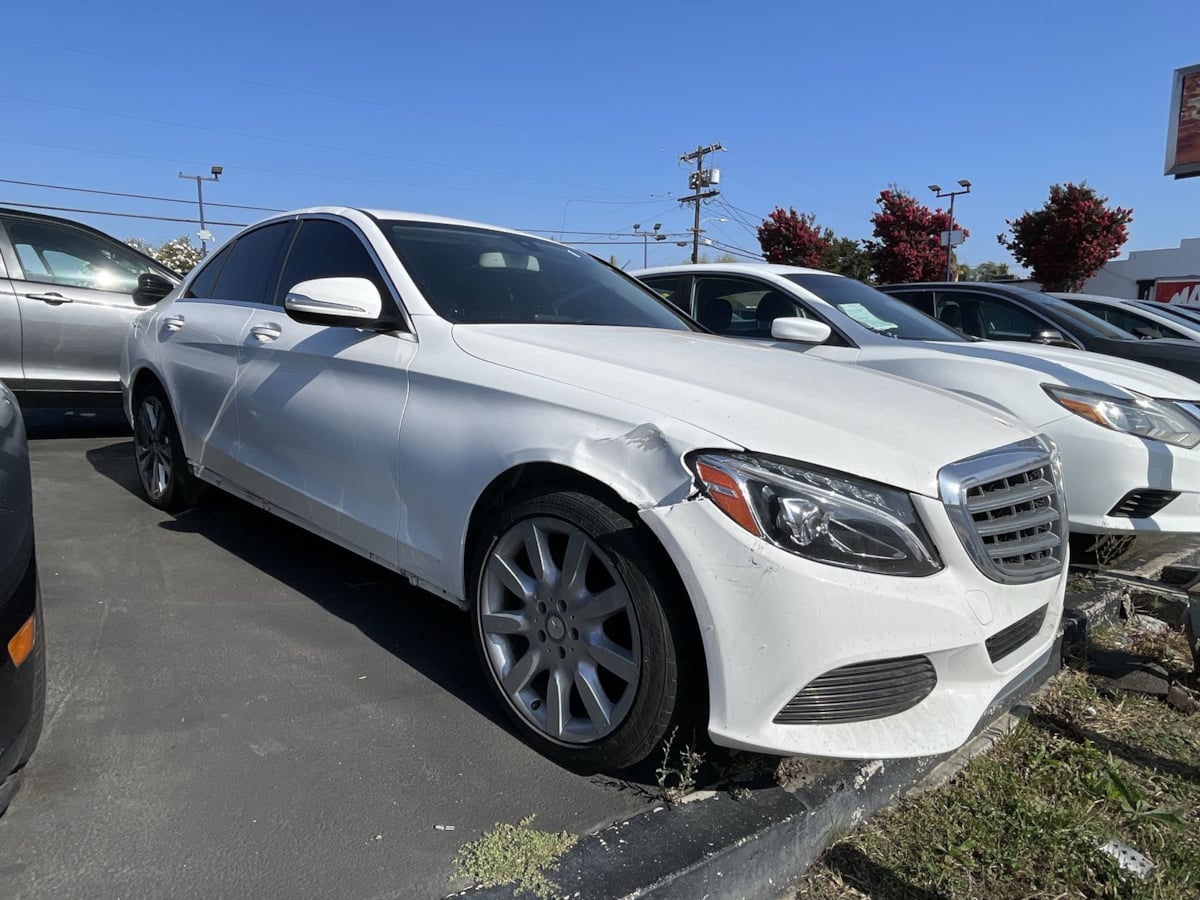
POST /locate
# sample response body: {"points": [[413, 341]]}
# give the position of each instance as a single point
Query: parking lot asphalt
{"points": [[239, 709]]}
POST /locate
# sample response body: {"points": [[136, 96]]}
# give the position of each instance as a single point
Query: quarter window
{"points": [[246, 275]]}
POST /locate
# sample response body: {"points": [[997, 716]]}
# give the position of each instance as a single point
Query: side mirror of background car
{"points": [[1050, 336], [151, 287], [1145, 332], [801, 330], [334, 301]]}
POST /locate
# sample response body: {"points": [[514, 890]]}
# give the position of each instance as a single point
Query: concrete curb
{"points": [[719, 846]]}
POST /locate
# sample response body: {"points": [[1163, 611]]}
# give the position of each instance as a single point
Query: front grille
{"points": [[1142, 504], [1007, 507], [870, 690], [1005, 641]]}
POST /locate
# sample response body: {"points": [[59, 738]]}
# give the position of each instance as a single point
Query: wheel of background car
{"points": [[570, 621], [162, 468]]}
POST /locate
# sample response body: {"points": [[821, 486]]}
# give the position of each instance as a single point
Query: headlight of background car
{"points": [[821, 515], [1158, 420]]}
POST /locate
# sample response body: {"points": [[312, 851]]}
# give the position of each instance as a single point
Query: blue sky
{"points": [[564, 117]]}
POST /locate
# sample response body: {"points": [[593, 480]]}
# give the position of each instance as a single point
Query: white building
{"points": [[1134, 277]]}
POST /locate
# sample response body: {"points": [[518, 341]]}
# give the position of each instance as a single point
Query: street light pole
{"points": [[646, 240], [966, 189], [200, 179]]}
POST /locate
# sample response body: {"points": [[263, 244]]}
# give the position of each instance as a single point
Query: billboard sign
{"points": [[1180, 291], [1183, 131]]}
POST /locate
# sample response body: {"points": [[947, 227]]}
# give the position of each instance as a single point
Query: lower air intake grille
{"points": [[870, 690], [1142, 504], [1004, 642]]}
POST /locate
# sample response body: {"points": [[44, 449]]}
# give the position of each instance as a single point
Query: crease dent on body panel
{"points": [[644, 462]]}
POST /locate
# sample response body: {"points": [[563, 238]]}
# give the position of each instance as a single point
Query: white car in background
{"points": [[1142, 319], [643, 521], [1128, 432]]}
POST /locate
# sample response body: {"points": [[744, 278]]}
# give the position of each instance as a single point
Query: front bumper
{"points": [[1101, 467], [772, 622]]}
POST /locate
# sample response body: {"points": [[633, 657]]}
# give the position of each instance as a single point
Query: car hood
{"points": [[751, 395], [1074, 367]]}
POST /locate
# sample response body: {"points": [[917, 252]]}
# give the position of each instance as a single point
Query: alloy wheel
{"points": [[152, 447], [559, 630]]}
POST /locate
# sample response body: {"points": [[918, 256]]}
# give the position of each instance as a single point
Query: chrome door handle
{"points": [[266, 333], [173, 323], [49, 297]]}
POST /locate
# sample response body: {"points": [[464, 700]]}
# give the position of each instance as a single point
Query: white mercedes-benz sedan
{"points": [[648, 525], [1129, 433]]}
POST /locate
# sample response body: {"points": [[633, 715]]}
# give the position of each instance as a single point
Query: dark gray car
{"points": [[1005, 312], [22, 637], [66, 301]]}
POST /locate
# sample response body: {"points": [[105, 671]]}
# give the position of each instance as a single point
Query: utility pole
{"points": [[699, 180], [204, 234]]}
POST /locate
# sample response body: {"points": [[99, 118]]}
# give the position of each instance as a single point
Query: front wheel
{"points": [[166, 481], [570, 619]]}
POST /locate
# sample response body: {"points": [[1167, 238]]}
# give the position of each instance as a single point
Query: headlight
{"points": [[821, 515], [1157, 420]]}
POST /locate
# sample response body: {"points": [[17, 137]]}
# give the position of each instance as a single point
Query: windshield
{"points": [[476, 275], [875, 310], [1079, 320], [1188, 317]]}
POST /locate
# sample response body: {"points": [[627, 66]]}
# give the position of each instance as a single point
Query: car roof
{"points": [[403, 215], [1099, 298], [742, 267], [35, 214]]}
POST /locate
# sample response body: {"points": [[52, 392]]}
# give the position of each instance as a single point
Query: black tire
{"points": [[163, 473], [615, 564]]}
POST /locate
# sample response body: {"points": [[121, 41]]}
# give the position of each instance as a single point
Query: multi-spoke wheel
{"points": [[570, 621], [162, 468]]}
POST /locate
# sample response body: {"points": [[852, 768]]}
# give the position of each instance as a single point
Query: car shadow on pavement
{"points": [[42, 423], [421, 629], [424, 631]]}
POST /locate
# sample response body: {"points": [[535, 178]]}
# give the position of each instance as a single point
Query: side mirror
{"points": [[1145, 332], [801, 330], [151, 287], [334, 301], [1050, 336]]}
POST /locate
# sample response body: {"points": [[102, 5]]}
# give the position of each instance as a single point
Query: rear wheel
{"points": [[163, 471], [571, 622]]}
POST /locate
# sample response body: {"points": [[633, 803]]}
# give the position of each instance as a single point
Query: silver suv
{"points": [[67, 295]]}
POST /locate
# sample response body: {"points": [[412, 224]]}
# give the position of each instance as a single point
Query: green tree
{"points": [[846, 256], [1070, 238], [985, 271]]}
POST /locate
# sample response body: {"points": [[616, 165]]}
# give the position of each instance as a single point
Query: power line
{"points": [[292, 142], [100, 212], [59, 187]]}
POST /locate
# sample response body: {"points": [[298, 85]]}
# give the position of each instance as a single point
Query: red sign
{"points": [[1183, 131], [1181, 291]]}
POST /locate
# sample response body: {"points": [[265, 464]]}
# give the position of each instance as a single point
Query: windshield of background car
{"points": [[1077, 319], [875, 310], [474, 275]]}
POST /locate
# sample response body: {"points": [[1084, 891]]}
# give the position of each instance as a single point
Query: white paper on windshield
{"points": [[864, 316]]}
